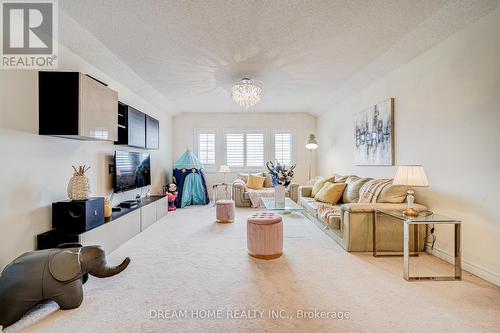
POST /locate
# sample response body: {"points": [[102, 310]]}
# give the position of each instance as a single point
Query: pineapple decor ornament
{"points": [[79, 186]]}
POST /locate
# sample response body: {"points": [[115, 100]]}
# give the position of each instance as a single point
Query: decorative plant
{"points": [[79, 186], [81, 170], [280, 174]]}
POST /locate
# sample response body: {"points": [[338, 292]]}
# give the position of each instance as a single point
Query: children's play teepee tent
{"points": [[190, 181]]}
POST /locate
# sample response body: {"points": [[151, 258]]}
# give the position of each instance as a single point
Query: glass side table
{"points": [[416, 221], [228, 191]]}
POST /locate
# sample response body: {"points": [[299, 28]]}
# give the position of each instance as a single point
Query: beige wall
{"points": [[447, 118], [35, 169], [301, 125]]}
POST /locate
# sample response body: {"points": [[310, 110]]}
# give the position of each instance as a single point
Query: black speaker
{"points": [[78, 215]]}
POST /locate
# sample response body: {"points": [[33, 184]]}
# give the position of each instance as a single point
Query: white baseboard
{"points": [[467, 266]]}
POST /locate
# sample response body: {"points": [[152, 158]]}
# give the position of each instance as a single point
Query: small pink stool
{"points": [[265, 235], [224, 211]]}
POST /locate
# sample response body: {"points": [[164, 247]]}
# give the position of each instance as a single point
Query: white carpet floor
{"points": [[188, 262]]}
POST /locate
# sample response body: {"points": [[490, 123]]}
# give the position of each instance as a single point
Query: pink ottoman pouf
{"points": [[265, 235], [224, 211]]}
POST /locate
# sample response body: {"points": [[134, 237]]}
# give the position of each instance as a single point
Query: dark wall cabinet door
{"points": [[76, 106], [136, 128], [152, 133]]}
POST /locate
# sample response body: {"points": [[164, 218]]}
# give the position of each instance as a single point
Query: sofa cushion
{"points": [[308, 199], [319, 184], [255, 182], [330, 215], [313, 180], [340, 178], [351, 192], [331, 192], [244, 176], [370, 191], [309, 204], [393, 194], [269, 180]]}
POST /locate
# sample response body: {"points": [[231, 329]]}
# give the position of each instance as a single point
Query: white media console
{"points": [[122, 226]]}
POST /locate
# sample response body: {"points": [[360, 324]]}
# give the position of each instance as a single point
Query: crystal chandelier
{"points": [[246, 93]]}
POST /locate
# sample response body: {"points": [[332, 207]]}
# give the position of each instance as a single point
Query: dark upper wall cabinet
{"points": [[74, 105], [152, 133], [131, 126], [136, 129]]}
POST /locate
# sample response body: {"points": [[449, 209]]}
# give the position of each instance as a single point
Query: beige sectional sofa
{"points": [[240, 192], [352, 225]]}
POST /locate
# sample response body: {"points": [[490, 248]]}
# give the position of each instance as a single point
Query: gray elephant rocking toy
{"points": [[54, 274]]}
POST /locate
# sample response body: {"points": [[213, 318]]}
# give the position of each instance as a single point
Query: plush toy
{"points": [[54, 274], [172, 188], [171, 196], [171, 201]]}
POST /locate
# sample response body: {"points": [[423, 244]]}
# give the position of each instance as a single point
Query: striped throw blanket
{"points": [[370, 191], [324, 212]]}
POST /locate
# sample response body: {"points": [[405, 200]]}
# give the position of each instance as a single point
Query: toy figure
{"points": [[171, 196]]}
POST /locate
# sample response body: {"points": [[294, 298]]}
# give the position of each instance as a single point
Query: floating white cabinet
{"points": [[124, 225], [148, 215], [161, 208], [114, 233]]}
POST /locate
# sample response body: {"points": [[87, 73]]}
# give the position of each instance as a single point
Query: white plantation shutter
{"points": [[283, 148], [206, 148], [235, 145], [255, 149], [245, 148]]}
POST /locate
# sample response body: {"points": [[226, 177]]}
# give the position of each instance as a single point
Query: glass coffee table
{"points": [[415, 222], [290, 206]]}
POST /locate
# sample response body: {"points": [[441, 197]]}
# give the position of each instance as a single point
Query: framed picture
{"points": [[374, 135]]}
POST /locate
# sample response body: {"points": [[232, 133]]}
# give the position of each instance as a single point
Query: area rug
{"points": [[190, 274]]}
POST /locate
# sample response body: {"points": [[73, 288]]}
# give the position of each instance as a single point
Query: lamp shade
{"points": [[411, 175], [311, 142], [224, 168]]}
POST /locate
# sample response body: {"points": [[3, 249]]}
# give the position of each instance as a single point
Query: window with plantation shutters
{"points": [[255, 149], [245, 149], [206, 148], [235, 145], [283, 147]]}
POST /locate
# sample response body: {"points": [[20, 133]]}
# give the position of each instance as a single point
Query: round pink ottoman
{"points": [[224, 211], [265, 235]]}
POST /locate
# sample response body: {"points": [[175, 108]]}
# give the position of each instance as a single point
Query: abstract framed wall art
{"points": [[374, 135]]}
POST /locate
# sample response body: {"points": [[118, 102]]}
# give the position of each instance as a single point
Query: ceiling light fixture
{"points": [[246, 93]]}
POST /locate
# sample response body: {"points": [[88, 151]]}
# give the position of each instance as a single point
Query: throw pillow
{"points": [[319, 185], [244, 176], [255, 182], [331, 192], [370, 190], [393, 194], [354, 184], [269, 180], [340, 179]]}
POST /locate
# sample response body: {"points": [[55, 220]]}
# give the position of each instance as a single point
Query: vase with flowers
{"points": [[281, 176]]}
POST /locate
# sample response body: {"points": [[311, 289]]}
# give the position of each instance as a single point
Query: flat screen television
{"points": [[132, 170]]}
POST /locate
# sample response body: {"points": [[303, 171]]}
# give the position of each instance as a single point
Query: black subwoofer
{"points": [[78, 215]]}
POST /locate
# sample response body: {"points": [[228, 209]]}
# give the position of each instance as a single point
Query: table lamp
{"points": [[224, 169], [311, 144], [412, 176]]}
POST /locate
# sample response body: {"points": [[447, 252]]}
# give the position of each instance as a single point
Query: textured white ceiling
{"points": [[308, 54]]}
